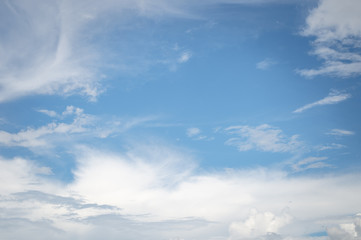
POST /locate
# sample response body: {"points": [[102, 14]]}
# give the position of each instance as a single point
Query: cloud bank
{"points": [[158, 192]]}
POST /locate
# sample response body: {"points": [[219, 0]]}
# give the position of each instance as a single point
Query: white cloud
{"points": [[39, 137], [158, 192], [340, 132], [262, 138], [346, 231], [41, 54], [195, 134], [50, 113], [47, 47], [71, 125], [266, 64], [51, 47], [329, 146], [258, 224], [311, 163], [336, 27], [185, 56], [191, 132], [333, 98]]}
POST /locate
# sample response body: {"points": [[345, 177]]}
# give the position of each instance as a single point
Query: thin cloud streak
{"points": [[340, 132], [332, 98]]}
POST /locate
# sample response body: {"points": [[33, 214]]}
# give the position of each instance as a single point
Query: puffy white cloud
{"points": [[333, 98], [346, 231], [258, 224], [263, 137], [336, 27]]}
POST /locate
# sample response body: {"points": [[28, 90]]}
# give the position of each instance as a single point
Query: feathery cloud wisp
{"points": [[332, 98], [263, 138], [340, 132]]}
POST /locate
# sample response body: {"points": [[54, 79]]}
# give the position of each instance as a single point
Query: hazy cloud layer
{"points": [[167, 198]]}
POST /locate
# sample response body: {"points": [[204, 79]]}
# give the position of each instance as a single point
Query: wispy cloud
{"points": [[51, 48], [191, 132], [331, 146], [185, 56], [50, 113], [333, 98], [196, 134], [70, 125], [39, 137], [340, 132], [266, 64], [337, 28], [311, 163], [263, 138]]}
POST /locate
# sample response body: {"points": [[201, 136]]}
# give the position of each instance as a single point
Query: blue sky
{"points": [[180, 120]]}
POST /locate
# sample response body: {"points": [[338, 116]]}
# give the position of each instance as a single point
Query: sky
{"points": [[180, 120]]}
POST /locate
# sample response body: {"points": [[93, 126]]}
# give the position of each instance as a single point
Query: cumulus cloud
{"points": [[333, 98], [336, 27], [346, 231], [263, 138], [258, 224]]}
